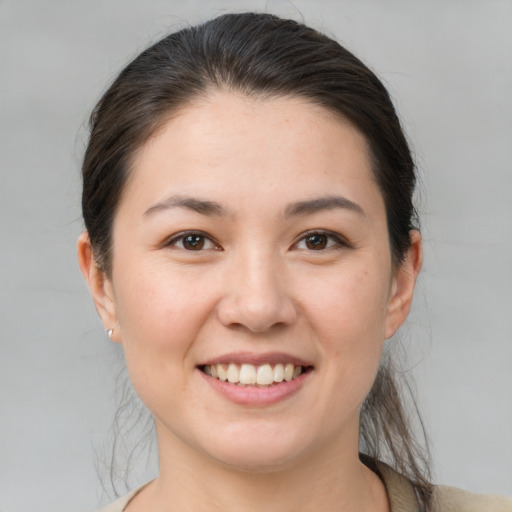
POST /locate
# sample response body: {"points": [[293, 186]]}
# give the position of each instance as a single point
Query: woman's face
{"points": [[251, 244]]}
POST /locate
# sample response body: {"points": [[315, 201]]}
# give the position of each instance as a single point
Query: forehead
{"points": [[230, 142]]}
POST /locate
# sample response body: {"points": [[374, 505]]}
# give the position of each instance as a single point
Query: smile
{"points": [[251, 375]]}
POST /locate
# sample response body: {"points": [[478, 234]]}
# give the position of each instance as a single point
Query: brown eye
{"points": [[320, 241], [193, 242], [316, 241]]}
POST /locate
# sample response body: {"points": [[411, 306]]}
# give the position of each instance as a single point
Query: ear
{"points": [[402, 288], [100, 286]]}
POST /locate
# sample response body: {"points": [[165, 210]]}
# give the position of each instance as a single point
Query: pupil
{"points": [[316, 242], [193, 242]]}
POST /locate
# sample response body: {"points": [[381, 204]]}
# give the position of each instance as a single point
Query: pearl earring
{"points": [[110, 332]]}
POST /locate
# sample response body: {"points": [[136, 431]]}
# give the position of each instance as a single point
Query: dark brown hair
{"points": [[262, 55]]}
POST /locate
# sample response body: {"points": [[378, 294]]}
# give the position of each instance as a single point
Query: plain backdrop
{"points": [[448, 66]]}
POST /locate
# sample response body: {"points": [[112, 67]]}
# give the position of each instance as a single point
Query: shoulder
{"points": [[120, 504], [402, 496], [451, 499]]}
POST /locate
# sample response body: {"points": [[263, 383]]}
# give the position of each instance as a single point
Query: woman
{"points": [[251, 241]]}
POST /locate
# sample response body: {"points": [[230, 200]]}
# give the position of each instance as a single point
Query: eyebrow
{"points": [[191, 203], [321, 204], [211, 208]]}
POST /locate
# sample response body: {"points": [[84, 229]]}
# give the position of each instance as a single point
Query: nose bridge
{"points": [[256, 294]]}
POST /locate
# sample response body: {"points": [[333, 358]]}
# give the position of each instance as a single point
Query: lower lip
{"points": [[254, 396]]}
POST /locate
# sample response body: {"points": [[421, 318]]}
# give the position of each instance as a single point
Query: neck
{"points": [[327, 480]]}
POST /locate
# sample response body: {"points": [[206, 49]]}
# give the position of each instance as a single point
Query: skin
{"points": [[256, 287]]}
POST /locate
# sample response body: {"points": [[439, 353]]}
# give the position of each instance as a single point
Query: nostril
{"points": [[256, 315]]}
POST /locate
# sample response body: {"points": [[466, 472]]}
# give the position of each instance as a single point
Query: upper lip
{"points": [[257, 359]]}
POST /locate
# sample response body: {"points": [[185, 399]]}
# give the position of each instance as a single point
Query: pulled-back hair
{"points": [[263, 55]]}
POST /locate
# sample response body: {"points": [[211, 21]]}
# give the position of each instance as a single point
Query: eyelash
{"points": [[175, 240], [334, 241]]}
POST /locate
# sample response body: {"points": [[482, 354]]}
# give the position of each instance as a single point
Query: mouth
{"points": [[249, 375]]}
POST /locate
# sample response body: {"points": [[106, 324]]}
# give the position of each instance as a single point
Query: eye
{"points": [[193, 241], [320, 240]]}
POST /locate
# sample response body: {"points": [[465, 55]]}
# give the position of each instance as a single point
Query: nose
{"points": [[256, 295]]}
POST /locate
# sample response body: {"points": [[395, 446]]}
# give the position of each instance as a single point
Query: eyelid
{"points": [[173, 239], [340, 241]]}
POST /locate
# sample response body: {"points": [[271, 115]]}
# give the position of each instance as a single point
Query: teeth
{"points": [[249, 375], [233, 373], [278, 373], [265, 375], [222, 372]]}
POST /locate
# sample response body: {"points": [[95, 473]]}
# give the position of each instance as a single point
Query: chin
{"points": [[260, 453], [252, 462]]}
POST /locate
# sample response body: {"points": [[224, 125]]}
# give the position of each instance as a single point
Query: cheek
{"points": [[349, 317], [157, 301], [160, 315], [349, 307]]}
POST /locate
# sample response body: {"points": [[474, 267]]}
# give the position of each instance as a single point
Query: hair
{"points": [[262, 55]]}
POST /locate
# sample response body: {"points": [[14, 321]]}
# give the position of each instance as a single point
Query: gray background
{"points": [[448, 64]]}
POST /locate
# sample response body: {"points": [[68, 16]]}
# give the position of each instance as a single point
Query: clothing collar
{"points": [[401, 494]]}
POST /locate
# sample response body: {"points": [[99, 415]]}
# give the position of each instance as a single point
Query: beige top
{"points": [[402, 497]]}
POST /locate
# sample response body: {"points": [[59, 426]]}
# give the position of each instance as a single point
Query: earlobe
{"points": [[404, 281], [99, 285]]}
